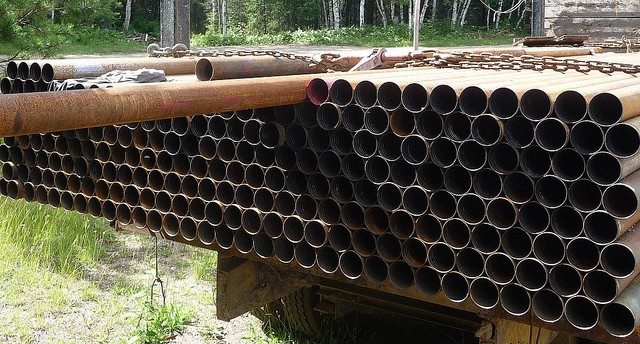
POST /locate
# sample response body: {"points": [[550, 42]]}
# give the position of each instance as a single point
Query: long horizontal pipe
{"points": [[22, 114]]}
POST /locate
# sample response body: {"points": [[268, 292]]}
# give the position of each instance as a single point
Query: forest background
{"points": [[48, 27]]}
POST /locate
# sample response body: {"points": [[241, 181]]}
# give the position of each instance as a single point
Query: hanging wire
{"points": [[512, 9], [157, 280]]}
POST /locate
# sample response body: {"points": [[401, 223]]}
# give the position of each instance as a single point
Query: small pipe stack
{"points": [[509, 189]]}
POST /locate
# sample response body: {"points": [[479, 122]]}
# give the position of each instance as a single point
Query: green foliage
{"points": [[436, 34], [160, 324], [42, 27], [61, 241]]}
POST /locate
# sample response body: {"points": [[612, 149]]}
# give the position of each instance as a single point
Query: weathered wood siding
{"points": [[597, 18]]}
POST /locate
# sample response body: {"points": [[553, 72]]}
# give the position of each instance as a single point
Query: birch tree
{"points": [[335, 4], [362, 2], [223, 17], [127, 16], [423, 12], [465, 10], [454, 12], [383, 14]]}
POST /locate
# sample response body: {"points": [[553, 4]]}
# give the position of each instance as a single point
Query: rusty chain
{"points": [[461, 60], [523, 62], [326, 61]]}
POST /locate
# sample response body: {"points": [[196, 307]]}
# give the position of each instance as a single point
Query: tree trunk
{"points": [[465, 10], [401, 14], [336, 13], [362, 14], [223, 16], [454, 13], [434, 8], [513, 3], [410, 14], [380, 4], [394, 14], [423, 12], [214, 16], [498, 15], [127, 16], [521, 16]]}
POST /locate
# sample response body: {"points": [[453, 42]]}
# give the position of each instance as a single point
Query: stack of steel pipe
{"points": [[511, 189]]}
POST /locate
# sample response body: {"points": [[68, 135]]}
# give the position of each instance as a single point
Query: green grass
{"points": [[61, 241], [437, 34], [66, 277], [86, 41]]}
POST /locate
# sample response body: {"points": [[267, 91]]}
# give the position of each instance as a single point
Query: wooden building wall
{"points": [[599, 19]]}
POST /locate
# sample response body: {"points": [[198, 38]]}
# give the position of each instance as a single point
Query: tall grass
{"points": [[51, 238], [432, 34]]}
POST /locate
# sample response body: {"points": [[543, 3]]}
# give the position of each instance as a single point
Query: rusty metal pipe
{"points": [[441, 257], [518, 187], [339, 238], [233, 216], [484, 293], [603, 228], [568, 164], [284, 250], [567, 222], [547, 306], [376, 120], [235, 67], [125, 105], [531, 274], [206, 233], [6, 85], [243, 241], [623, 139], [550, 191], [263, 245], [389, 196], [414, 149], [351, 264], [328, 259], [351, 214], [620, 318], [427, 281], [470, 262], [401, 224], [610, 107], [405, 174], [582, 313], [515, 299], [502, 213], [621, 199], [284, 202], [225, 193], [388, 247], [375, 269], [565, 280], [500, 268], [455, 286], [401, 275], [486, 238], [363, 242], [583, 254], [517, 243], [316, 233], [549, 248], [402, 122], [487, 183], [585, 195], [92, 67], [224, 238]]}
